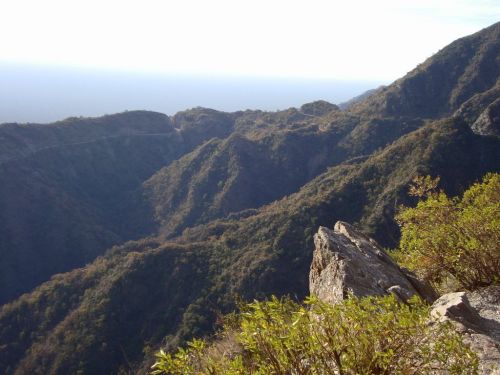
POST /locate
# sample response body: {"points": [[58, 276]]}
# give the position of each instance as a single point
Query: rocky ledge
{"points": [[345, 262], [476, 315]]}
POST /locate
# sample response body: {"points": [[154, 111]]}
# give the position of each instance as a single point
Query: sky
{"points": [[321, 39], [62, 58]]}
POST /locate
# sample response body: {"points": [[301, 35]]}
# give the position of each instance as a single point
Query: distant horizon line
{"points": [[158, 112], [41, 93]]}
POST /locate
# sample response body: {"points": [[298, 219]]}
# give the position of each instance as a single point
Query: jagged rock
{"points": [[488, 122], [479, 105], [346, 261], [476, 315]]}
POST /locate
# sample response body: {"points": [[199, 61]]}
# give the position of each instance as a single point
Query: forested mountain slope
{"points": [[245, 171], [72, 189], [98, 319]]}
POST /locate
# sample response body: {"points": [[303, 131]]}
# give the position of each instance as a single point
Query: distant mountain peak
{"points": [[440, 85], [318, 108]]}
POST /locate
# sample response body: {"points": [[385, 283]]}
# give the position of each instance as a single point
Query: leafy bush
{"points": [[453, 237], [374, 335]]}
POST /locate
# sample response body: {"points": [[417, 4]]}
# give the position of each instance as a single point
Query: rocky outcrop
{"points": [[481, 103], [488, 122], [346, 261], [476, 315]]}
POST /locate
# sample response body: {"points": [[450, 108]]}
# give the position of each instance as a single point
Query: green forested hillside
{"points": [[142, 292], [70, 190], [216, 205], [250, 169]]}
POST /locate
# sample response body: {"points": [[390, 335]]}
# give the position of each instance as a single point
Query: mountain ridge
{"points": [[438, 86]]}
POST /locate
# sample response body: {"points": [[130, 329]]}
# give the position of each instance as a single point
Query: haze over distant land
{"points": [[81, 59], [31, 93]]}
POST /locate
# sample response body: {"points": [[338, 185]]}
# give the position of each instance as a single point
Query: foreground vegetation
{"points": [[456, 239], [373, 335], [442, 238]]}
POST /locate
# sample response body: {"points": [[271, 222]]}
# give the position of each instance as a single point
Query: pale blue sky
{"points": [[61, 58], [356, 39]]}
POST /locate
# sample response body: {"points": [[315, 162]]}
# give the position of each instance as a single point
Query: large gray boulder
{"points": [[346, 261], [476, 315]]}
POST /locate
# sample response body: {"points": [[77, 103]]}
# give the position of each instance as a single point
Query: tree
{"points": [[446, 238]]}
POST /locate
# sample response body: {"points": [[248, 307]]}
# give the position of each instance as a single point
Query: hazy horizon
{"points": [[40, 94], [90, 58]]}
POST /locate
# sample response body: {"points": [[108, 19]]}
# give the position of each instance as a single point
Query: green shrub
{"points": [[375, 335], [453, 237]]}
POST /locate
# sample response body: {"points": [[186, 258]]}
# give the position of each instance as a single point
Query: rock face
{"points": [[476, 315], [488, 122], [346, 261]]}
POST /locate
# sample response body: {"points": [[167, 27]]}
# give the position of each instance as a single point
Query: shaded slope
{"points": [[72, 189], [63, 207], [247, 171]]}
